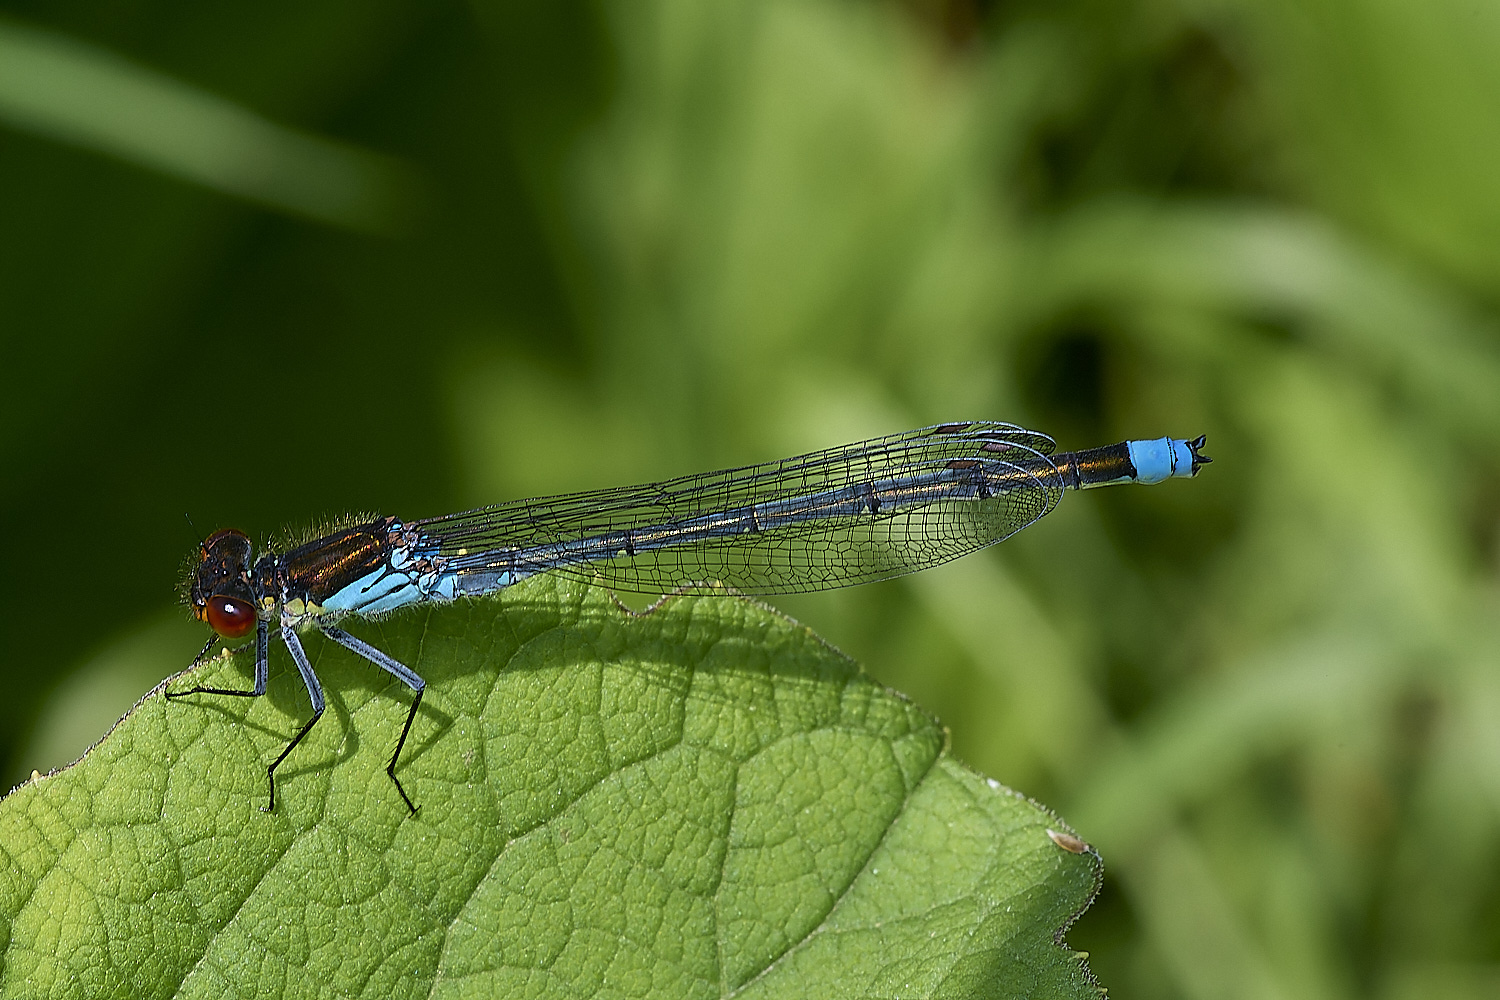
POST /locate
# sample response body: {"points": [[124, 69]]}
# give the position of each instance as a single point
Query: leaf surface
{"points": [[700, 801]]}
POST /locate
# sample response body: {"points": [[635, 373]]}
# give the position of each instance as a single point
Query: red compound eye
{"points": [[230, 616]]}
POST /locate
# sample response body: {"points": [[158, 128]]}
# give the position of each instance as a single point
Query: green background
{"points": [[269, 264]]}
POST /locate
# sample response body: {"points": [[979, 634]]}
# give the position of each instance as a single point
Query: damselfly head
{"points": [[219, 589]]}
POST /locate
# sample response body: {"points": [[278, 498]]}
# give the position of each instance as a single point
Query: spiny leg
{"points": [[213, 641], [314, 692], [261, 669], [402, 673]]}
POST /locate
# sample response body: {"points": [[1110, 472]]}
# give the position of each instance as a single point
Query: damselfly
{"points": [[855, 514]]}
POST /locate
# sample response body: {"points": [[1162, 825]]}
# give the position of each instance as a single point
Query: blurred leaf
{"points": [[84, 95], [1270, 265], [1383, 114], [700, 800], [94, 698], [1212, 735]]}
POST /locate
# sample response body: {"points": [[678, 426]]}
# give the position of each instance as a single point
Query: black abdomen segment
{"points": [[1095, 466]]}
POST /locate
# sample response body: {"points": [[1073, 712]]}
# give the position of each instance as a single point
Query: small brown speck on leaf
{"points": [[1068, 842]]}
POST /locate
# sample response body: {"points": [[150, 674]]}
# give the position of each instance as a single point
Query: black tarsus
{"points": [[271, 771], [252, 693], [390, 768], [204, 690]]}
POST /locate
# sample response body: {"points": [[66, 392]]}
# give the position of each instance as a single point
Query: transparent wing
{"points": [[854, 514]]}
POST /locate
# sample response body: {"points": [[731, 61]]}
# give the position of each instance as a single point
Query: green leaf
{"points": [[702, 800]]}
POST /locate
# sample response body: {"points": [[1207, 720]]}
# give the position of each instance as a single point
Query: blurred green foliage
{"points": [[633, 240]]}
